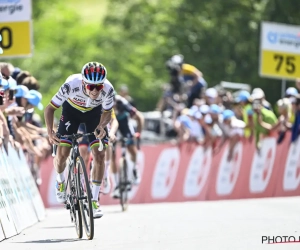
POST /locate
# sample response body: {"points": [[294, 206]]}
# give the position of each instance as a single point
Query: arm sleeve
{"points": [[61, 96], [128, 107], [109, 100]]}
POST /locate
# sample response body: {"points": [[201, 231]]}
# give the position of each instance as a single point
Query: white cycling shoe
{"points": [[106, 185], [97, 213], [116, 193], [60, 192], [136, 180]]}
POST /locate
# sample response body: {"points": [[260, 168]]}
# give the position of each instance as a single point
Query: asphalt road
{"points": [[236, 224]]}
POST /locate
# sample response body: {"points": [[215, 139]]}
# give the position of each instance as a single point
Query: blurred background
{"points": [[133, 39]]}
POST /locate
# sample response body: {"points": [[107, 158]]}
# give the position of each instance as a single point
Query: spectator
{"points": [[259, 94], [225, 99], [296, 125], [291, 92], [211, 96], [21, 76], [183, 125], [31, 83], [285, 112], [6, 69], [264, 122], [248, 116], [15, 73], [213, 120], [233, 131]]}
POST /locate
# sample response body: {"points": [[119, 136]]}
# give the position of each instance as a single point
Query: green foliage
{"points": [[133, 39]]}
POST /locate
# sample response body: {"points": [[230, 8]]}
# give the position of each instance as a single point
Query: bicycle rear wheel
{"points": [[85, 199], [73, 204], [123, 185]]}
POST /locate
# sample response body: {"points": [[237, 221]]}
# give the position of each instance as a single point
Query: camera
{"points": [[1, 96], [11, 94], [256, 104]]}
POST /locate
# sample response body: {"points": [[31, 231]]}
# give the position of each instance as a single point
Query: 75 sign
{"points": [[280, 64]]}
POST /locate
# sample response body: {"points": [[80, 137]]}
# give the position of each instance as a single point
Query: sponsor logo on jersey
{"points": [[75, 90], [58, 97], [79, 101], [103, 93], [65, 89]]}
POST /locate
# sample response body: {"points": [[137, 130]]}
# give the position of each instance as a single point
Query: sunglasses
{"points": [[91, 87]]}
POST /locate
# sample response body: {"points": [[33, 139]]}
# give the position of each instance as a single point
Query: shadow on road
{"points": [[51, 241], [58, 227], [113, 212]]}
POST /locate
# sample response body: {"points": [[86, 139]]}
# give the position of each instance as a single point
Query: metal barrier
{"points": [[21, 205]]}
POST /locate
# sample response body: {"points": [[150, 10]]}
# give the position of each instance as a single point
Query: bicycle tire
{"points": [[76, 212], [89, 227], [123, 186]]}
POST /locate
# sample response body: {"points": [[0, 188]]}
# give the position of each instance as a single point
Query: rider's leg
{"points": [[106, 180], [84, 145], [85, 154], [107, 162], [68, 124], [98, 172], [115, 173], [132, 149], [60, 159], [114, 169]]}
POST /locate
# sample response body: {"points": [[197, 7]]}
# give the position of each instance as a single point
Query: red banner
{"points": [[190, 173]]}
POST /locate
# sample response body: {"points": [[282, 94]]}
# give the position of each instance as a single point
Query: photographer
{"points": [[264, 121]]}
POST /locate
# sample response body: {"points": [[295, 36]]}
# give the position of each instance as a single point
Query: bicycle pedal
{"points": [[67, 206]]}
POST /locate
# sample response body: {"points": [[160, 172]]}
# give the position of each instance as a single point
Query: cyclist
{"points": [[85, 98], [124, 110], [84, 149], [181, 73]]}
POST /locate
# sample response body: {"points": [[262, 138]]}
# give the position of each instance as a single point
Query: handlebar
{"points": [[76, 137]]}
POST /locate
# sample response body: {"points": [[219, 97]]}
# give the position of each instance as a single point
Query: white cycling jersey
{"points": [[73, 92]]}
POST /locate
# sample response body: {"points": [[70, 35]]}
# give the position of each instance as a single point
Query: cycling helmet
{"points": [[93, 73], [177, 59]]}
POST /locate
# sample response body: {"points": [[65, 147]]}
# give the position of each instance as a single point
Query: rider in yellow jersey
{"points": [[181, 73]]}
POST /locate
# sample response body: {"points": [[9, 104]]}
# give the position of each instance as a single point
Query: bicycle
{"points": [[78, 196], [124, 182]]}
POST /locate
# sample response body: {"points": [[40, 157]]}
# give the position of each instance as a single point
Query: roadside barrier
{"points": [[21, 204], [192, 173]]}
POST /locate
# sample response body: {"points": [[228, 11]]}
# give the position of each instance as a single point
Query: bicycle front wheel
{"points": [[85, 199], [72, 203], [124, 185]]}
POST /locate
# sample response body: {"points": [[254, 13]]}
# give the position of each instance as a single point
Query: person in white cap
{"points": [[284, 120], [291, 92], [259, 94], [211, 95], [233, 131]]}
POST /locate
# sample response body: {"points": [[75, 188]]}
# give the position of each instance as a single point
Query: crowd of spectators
{"points": [[20, 127], [207, 116], [211, 116]]}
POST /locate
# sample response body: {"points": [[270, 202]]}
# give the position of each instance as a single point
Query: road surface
{"points": [[235, 224]]}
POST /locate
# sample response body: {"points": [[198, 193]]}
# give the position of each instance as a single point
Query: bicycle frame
{"points": [[77, 200]]}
